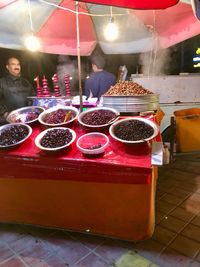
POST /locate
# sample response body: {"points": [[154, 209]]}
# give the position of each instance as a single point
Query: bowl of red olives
{"points": [[55, 139], [12, 135], [133, 130], [93, 143], [98, 118], [58, 116], [26, 115]]}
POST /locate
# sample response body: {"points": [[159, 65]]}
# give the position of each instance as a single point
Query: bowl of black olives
{"points": [[98, 118], [26, 115], [134, 130], [58, 116], [12, 135], [55, 139]]}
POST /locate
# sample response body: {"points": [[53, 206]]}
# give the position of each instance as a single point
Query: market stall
{"points": [[112, 194]]}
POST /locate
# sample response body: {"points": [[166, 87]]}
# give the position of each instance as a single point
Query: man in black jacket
{"points": [[13, 88]]}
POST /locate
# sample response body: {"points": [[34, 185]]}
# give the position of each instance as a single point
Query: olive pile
{"points": [[98, 117], [94, 146], [30, 116], [56, 138], [127, 88], [13, 135], [58, 116], [133, 130]]}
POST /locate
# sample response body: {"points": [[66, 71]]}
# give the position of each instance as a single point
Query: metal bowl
{"points": [[9, 127], [92, 143], [43, 116], [123, 125], [99, 126], [55, 149], [26, 115]]}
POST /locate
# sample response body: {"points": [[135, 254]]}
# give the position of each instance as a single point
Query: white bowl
{"points": [[87, 142], [153, 125], [45, 113], [54, 149], [9, 127], [92, 110], [20, 115]]}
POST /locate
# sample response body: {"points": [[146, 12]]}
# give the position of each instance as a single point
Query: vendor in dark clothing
{"points": [[13, 88], [100, 80]]}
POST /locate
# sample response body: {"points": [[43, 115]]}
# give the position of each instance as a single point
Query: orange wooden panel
{"points": [[125, 211]]}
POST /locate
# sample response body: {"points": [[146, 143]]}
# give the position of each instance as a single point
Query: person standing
{"points": [[13, 88], [100, 80]]}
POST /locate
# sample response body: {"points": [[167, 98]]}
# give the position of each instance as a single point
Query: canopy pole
{"points": [[79, 56]]}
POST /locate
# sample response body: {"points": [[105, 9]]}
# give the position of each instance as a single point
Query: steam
{"points": [[66, 66], [155, 62]]}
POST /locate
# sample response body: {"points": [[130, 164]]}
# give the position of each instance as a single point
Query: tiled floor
{"points": [[176, 240]]}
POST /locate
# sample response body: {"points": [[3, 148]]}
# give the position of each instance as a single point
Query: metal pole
{"points": [[79, 57]]}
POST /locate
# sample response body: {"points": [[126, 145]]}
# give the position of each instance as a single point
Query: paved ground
{"points": [[176, 240]]}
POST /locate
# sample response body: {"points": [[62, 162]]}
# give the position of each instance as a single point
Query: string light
{"points": [[111, 30], [32, 43]]}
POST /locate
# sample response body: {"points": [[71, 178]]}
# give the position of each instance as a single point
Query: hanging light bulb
{"points": [[32, 43], [111, 30]]}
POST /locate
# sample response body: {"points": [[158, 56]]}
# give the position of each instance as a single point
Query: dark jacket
{"points": [[13, 93], [99, 83]]}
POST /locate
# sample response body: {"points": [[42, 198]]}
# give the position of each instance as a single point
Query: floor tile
{"points": [[180, 192], [54, 261], [5, 252], [192, 203], [35, 253], [194, 264], [89, 241], [160, 194], [173, 223], [166, 187], [70, 251], [172, 199], [66, 248], [23, 243], [171, 258], [10, 232], [164, 207], [159, 216], [163, 235], [150, 249], [197, 258], [185, 246], [110, 250], [188, 186], [133, 259], [192, 231], [91, 260], [14, 262], [182, 214], [196, 220]]}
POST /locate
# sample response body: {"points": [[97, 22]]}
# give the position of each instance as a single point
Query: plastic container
{"points": [[92, 143]]}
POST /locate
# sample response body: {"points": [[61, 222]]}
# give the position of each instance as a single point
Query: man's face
{"points": [[14, 67]]}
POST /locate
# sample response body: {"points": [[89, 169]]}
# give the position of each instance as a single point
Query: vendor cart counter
{"points": [[111, 195]]}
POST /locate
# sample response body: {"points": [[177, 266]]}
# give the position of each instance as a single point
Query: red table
{"points": [[110, 195]]}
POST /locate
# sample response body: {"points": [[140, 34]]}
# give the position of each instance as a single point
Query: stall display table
{"points": [[111, 195]]}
